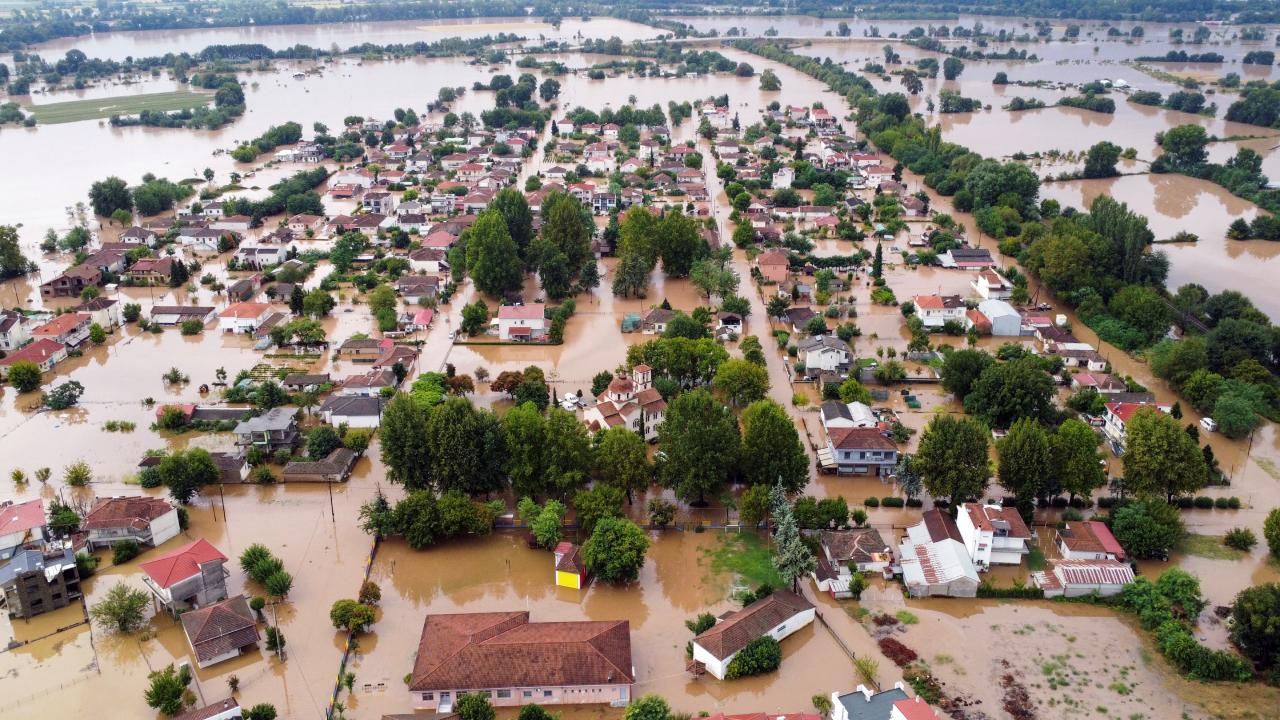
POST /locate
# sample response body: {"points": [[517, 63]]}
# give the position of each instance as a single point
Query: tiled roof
{"points": [[1090, 536], [181, 563], [61, 324], [734, 633], [859, 545], [984, 517], [37, 352], [522, 312], [220, 628], [208, 711], [21, 517], [860, 438], [503, 649], [245, 310], [570, 561], [136, 512]]}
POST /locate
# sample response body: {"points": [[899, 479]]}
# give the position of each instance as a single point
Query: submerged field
{"points": [[77, 110]]}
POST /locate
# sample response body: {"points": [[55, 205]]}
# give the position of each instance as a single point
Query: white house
{"points": [[777, 615], [20, 524], [357, 411], [138, 236], [836, 414], [859, 451], [243, 317], [934, 559], [993, 535], [991, 285], [1088, 540], [1004, 321], [1117, 414], [825, 353], [522, 322], [891, 704], [102, 311], [145, 520], [1075, 578], [936, 310], [15, 330]]}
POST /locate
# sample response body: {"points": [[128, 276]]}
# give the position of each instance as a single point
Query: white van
{"points": [[1209, 424]]}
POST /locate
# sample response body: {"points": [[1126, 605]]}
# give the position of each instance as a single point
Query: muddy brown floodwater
{"points": [[1072, 658]]}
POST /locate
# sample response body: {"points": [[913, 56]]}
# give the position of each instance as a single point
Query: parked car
{"points": [[1209, 424]]}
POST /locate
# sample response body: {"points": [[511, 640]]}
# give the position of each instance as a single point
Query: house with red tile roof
{"points": [[243, 317], [45, 353], [522, 322], [934, 559], [993, 534], [21, 524], [145, 520], [70, 329], [521, 662], [221, 631], [191, 576], [1088, 540], [1117, 415], [776, 615]]}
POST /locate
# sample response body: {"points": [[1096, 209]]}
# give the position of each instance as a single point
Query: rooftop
{"points": [[738, 629], [181, 563], [21, 517]]}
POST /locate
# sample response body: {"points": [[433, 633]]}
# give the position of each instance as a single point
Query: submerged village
{"points": [[400, 360]]}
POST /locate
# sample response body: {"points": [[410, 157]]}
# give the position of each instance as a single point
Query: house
{"points": [[576, 662], [232, 468], [304, 382], [655, 321], [1088, 540], [190, 577], [235, 223], [824, 353], [261, 257], [914, 206], [221, 631], [798, 318], [138, 236], [1102, 383], [934, 559], [1117, 415], [1085, 357], [335, 467], [202, 238], [360, 349], [39, 579], [1075, 578], [275, 429], [151, 271], [632, 403], [966, 258], [522, 322], [994, 535], [102, 311], [369, 384], [21, 524], [70, 329], [727, 324], [15, 330], [302, 223], [860, 450], [44, 353], [836, 414], [417, 288], [145, 520], [774, 265], [845, 552], [379, 202], [571, 571], [352, 410], [72, 282], [243, 317], [227, 709], [1002, 319], [429, 260], [776, 615], [936, 310], [991, 285], [891, 704], [178, 314]]}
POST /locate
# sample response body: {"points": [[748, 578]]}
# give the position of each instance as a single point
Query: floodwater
{"points": [[317, 536]]}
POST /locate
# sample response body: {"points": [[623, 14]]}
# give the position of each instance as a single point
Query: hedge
{"points": [[761, 655], [986, 590]]}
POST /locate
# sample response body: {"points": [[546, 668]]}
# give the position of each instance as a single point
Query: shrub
{"points": [[351, 615], [1221, 503], [1271, 531], [761, 655], [1240, 539], [122, 551], [1017, 592], [1233, 502], [701, 624], [871, 502], [1204, 503], [892, 502], [900, 654], [370, 593]]}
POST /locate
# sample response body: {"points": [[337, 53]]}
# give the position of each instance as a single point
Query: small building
{"points": [[937, 310], [966, 258], [190, 577], [275, 429], [845, 552], [1088, 540], [303, 382], [227, 709], [522, 322], [571, 663], [994, 535], [138, 236], [72, 282], [991, 285], [243, 317], [101, 311], [861, 450], [777, 615], [571, 571], [1004, 321], [357, 411], [1117, 415], [824, 353], [15, 330], [145, 520], [221, 631], [798, 318], [836, 414], [1075, 578], [655, 321], [178, 314], [39, 579], [891, 704], [934, 559], [334, 468], [21, 524]]}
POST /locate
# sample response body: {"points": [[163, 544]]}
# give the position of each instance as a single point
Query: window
{"points": [[527, 693], [504, 694], [546, 693], [428, 696]]}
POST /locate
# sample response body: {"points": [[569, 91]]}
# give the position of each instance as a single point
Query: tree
{"points": [[1076, 466], [547, 523], [351, 615], [1271, 531], [700, 439], [185, 472], [622, 460], [525, 430], [474, 706], [1159, 458], [168, 689], [741, 381], [549, 89], [952, 458], [877, 262], [631, 277], [951, 68], [493, 259], [615, 551], [407, 457], [64, 395], [321, 441], [1147, 528], [1235, 414], [12, 262], [278, 584], [753, 505], [318, 303], [567, 226], [466, 448], [1100, 162], [961, 370], [107, 196], [791, 557], [1255, 626], [1184, 147], [475, 317], [713, 276], [514, 209], [592, 506], [122, 609], [24, 376], [1025, 463], [769, 81], [648, 707], [683, 326], [1007, 391], [266, 711], [771, 448]]}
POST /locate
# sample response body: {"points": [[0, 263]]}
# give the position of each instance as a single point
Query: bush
{"points": [[1233, 503], [1240, 539], [1017, 592], [1271, 531], [892, 502], [871, 502], [1184, 503], [122, 551], [370, 593], [900, 654], [761, 655], [1221, 503], [1204, 503]]}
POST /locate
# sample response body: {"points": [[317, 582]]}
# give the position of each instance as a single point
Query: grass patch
{"points": [[1035, 559], [97, 108], [1269, 467], [906, 618], [1207, 546], [746, 556]]}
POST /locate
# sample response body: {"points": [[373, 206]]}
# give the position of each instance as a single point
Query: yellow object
{"points": [[568, 579]]}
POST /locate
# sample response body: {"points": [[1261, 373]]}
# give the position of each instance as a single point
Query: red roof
{"points": [[983, 515], [37, 352], [181, 563], [1090, 536], [1125, 410], [915, 709], [115, 512], [22, 517], [245, 310], [522, 312], [61, 324]]}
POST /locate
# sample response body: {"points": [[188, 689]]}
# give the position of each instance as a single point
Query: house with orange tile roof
{"points": [[517, 662], [45, 353], [70, 329], [191, 576], [1088, 540], [993, 534], [21, 524], [243, 317], [145, 520], [776, 615]]}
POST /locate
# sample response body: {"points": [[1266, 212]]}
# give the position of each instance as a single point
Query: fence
{"points": [[338, 683]]}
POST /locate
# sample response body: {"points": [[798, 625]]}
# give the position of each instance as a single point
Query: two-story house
{"points": [[859, 450], [243, 317], [824, 353], [15, 330], [145, 520], [70, 329], [936, 310], [21, 524], [522, 322], [189, 577], [275, 429], [993, 535], [39, 579]]}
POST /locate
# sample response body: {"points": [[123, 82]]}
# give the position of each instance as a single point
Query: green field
{"points": [[77, 110]]}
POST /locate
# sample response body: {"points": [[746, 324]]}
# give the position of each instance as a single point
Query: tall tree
{"points": [[952, 458], [771, 448], [107, 196], [791, 557], [962, 368], [1025, 463], [492, 256], [511, 204], [631, 278], [1160, 459], [12, 262], [567, 453], [403, 431], [526, 433], [679, 244], [638, 236], [563, 224], [1077, 468], [741, 381], [700, 440], [1005, 392], [459, 442], [623, 461]]}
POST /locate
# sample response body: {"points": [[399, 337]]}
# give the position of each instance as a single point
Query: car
{"points": [[1209, 424], [453, 334]]}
